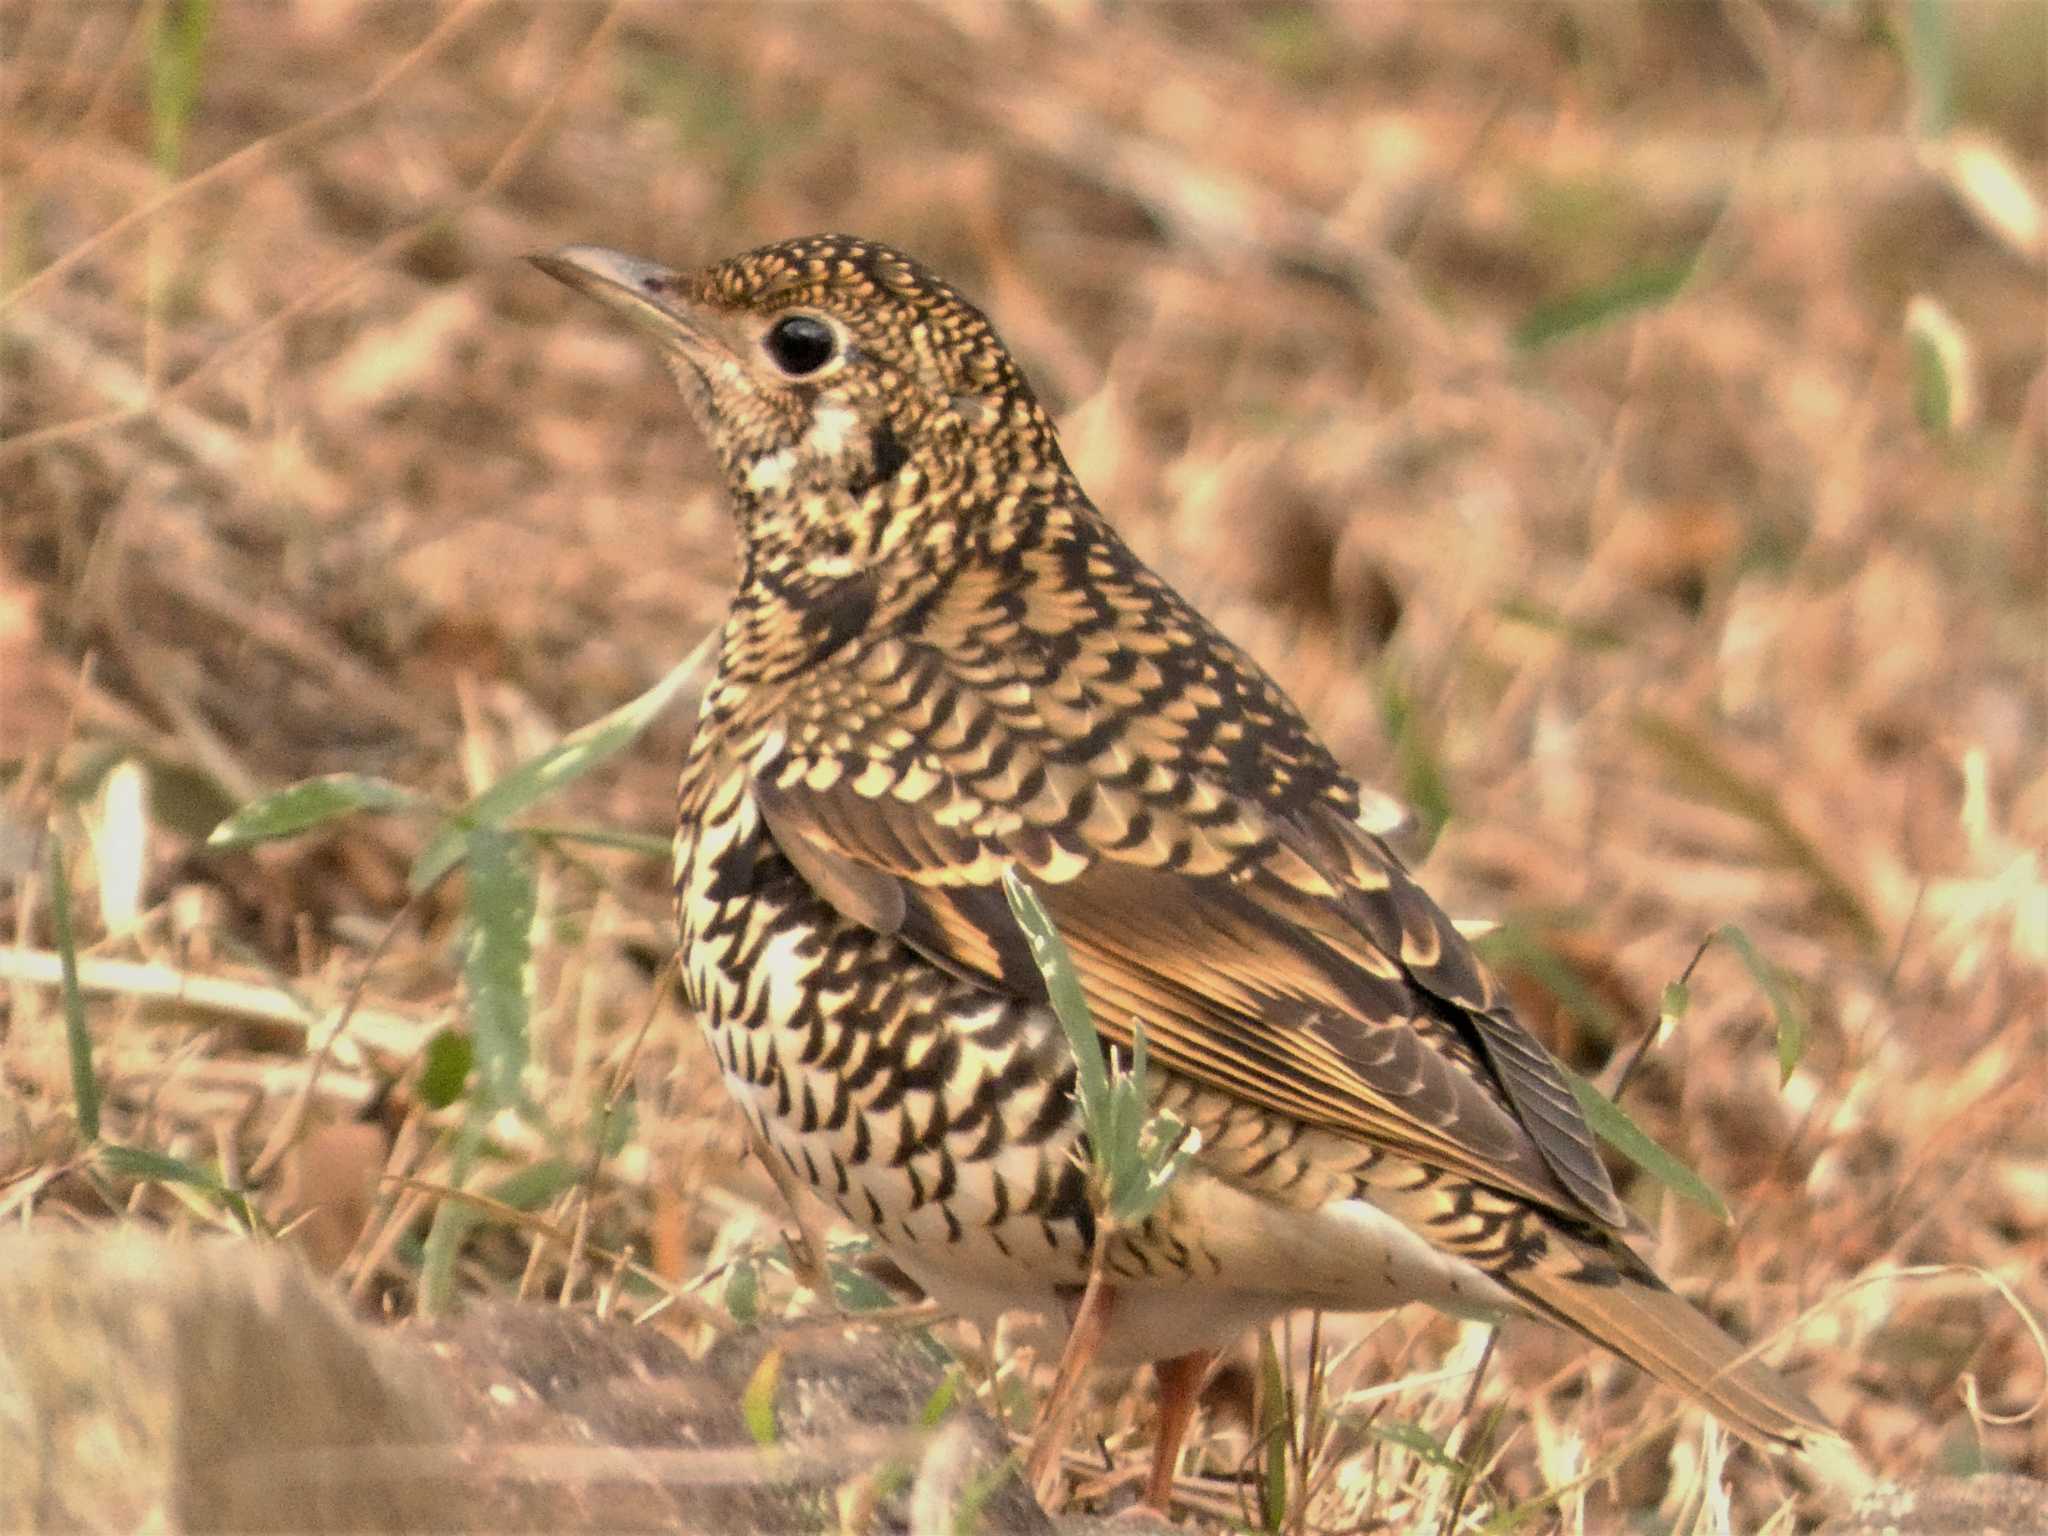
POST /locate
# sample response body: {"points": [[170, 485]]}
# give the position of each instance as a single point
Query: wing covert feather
{"points": [[1300, 993]]}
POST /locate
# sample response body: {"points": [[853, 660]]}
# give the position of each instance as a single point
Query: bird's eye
{"points": [[801, 344]]}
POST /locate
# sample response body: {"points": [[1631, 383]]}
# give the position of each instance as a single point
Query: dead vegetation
{"points": [[1623, 427]]}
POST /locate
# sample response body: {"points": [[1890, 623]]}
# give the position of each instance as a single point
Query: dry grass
{"points": [[1684, 618]]}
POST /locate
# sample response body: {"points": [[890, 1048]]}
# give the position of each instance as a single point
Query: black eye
{"points": [[800, 344]]}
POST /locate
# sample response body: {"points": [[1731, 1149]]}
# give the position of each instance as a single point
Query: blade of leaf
{"points": [[497, 951], [85, 1082], [757, 1402], [743, 1292], [1639, 287], [142, 1163], [1416, 1440], [940, 1403], [177, 47], [1612, 1124], [1791, 1018], [1273, 1433], [858, 1292], [647, 844], [449, 1056], [563, 763], [1423, 783], [307, 804], [1063, 985]]}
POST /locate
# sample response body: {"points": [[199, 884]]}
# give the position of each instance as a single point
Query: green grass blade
{"points": [[308, 804], [1613, 1126], [142, 1163], [743, 1292], [533, 1186], [757, 1402], [557, 767], [1417, 1442], [453, 1221], [497, 954], [1639, 287], [1785, 1009], [1274, 1432], [1423, 783], [449, 1057], [85, 1082], [940, 1403], [177, 47], [1063, 985], [646, 844], [1929, 49]]}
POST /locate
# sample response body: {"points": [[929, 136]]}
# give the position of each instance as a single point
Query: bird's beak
{"points": [[650, 296]]}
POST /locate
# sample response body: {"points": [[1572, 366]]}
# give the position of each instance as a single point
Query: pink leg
{"points": [[1180, 1391]]}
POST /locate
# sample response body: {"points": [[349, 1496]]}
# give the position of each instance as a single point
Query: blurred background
{"points": [[1622, 426]]}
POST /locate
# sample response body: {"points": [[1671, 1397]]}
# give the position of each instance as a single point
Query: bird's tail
{"points": [[1614, 1300]]}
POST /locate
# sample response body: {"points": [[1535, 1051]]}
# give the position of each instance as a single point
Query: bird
{"points": [[942, 665]]}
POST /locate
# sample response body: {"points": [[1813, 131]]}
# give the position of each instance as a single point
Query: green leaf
{"points": [[1676, 1000], [743, 1292], [1423, 782], [1136, 1154], [177, 44], [757, 1403], [560, 765], [1941, 368], [1614, 1126], [531, 1187], [1929, 49], [856, 1290], [1163, 1143], [1791, 1018], [497, 950], [1416, 1440], [449, 1057], [1063, 986], [142, 1163], [307, 804], [615, 1122], [1274, 1432], [647, 844], [1933, 398], [1639, 287], [453, 1221], [85, 1082], [940, 1403], [1584, 634]]}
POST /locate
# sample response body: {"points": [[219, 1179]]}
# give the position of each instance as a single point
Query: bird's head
{"points": [[859, 406]]}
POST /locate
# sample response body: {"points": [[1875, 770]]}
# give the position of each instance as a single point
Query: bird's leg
{"points": [[1056, 1417], [807, 1251], [1180, 1391]]}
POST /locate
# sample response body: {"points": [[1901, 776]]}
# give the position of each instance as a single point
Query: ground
{"points": [[1623, 427]]}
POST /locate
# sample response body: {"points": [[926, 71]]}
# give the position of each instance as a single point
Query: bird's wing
{"points": [[1285, 958]]}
